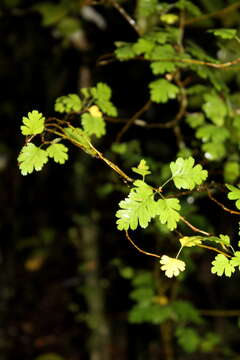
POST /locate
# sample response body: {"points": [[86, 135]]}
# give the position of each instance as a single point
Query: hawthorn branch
{"points": [[126, 16], [140, 250], [194, 228], [132, 120], [235, 212], [218, 13]]}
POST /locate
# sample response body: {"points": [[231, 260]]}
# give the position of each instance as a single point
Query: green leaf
{"points": [[188, 339], [186, 175], [80, 137], [142, 169], [124, 51], [162, 90], [143, 46], [234, 194], [31, 158], [190, 241], [224, 33], [189, 6], [161, 67], [195, 119], [138, 208], [231, 171], [33, 124], [186, 312], [51, 13], [171, 266], [68, 103], [222, 265], [169, 18], [212, 133], [93, 125], [214, 151], [167, 210], [235, 261], [58, 152], [102, 94], [215, 108], [146, 8], [164, 52]]}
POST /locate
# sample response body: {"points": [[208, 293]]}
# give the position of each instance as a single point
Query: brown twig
{"points": [[218, 13], [132, 120], [194, 228], [214, 249], [235, 212], [126, 16], [140, 250]]}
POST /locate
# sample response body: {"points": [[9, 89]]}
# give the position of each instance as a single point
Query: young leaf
{"points": [[189, 241], [224, 33], [33, 124], [31, 158], [80, 137], [221, 265], [102, 94], [142, 169], [171, 266], [186, 175], [214, 108], [93, 125], [138, 208], [167, 210], [58, 152], [162, 90], [68, 103], [234, 194]]}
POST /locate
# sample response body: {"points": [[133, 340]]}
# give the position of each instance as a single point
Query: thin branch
{"points": [[126, 16], [132, 120], [140, 250], [235, 212], [218, 13], [214, 249], [194, 228], [111, 164], [220, 313]]}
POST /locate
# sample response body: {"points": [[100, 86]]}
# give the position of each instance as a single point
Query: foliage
{"points": [[187, 146]]}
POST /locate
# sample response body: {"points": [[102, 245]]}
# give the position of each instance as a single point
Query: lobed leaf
{"points": [[162, 90], [138, 208], [93, 125], [185, 175], [234, 194], [171, 266], [33, 124], [32, 158], [224, 33], [167, 210], [222, 265], [58, 152], [68, 103]]}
